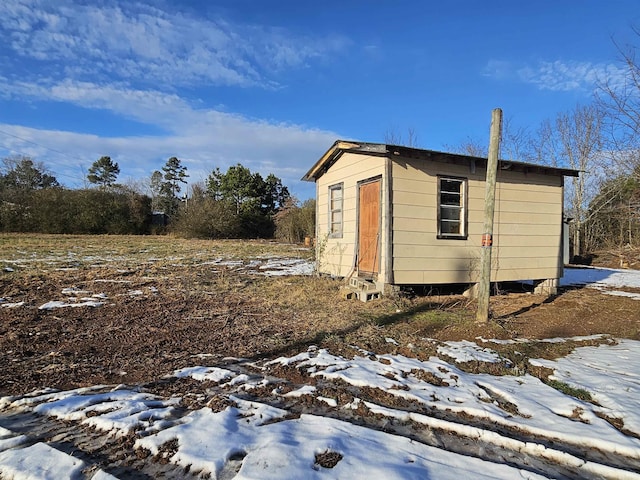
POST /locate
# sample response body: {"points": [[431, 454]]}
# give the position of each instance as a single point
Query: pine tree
{"points": [[103, 172], [22, 173], [174, 174]]}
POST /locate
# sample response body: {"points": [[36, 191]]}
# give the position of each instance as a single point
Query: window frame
{"points": [[464, 185], [333, 211]]}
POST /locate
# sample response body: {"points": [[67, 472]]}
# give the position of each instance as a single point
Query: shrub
{"points": [[204, 217], [85, 211], [294, 222]]}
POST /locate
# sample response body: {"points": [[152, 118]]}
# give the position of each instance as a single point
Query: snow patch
{"points": [[11, 305], [51, 463], [212, 374], [58, 304], [466, 351]]}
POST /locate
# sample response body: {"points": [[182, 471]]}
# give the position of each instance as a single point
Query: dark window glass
{"points": [[451, 207]]}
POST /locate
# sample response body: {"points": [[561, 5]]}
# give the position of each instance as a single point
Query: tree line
{"points": [[601, 139], [235, 204]]}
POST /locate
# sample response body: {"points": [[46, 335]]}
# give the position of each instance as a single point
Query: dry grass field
{"points": [[124, 314], [165, 300]]}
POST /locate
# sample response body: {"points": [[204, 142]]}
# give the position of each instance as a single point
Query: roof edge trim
{"points": [[341, 146]]}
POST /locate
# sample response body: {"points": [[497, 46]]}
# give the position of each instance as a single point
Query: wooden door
{"points": [[369, 228]]}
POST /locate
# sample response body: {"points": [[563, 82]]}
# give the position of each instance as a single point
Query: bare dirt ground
{"points": [[159, 317], [170, 304]]}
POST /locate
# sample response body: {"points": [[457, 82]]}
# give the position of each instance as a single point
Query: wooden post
{"points": [[484, 283]]}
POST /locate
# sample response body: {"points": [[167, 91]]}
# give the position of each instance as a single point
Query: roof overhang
{"points": [[336, 150], [381, 149]]}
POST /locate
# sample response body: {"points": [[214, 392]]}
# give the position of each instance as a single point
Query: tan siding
{"points": [[514, 263], [434, 265], [528, 216], [425, 254], [415, 198], [426, 245], [338, 254], [418, 212], [403, 224], [528, 181], [476, 193], [419, 277], [406, 277], [540, 208], [527, 228], [438, 260], [510, 194], [412, 185], [466, 269], [526, 242]]}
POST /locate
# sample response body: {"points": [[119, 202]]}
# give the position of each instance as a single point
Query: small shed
{"points": [[395, 215]]}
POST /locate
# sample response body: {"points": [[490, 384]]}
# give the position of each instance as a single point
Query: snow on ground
{"points": [[260, 441], [605, 279], [267, 266], [292, 266], [213, 374], [466, 351], [611, 374], [273, 449], [265, 442], [43, 462], [11, 305], [84, 302], [521, 403], [583, 338], [269, 445]]}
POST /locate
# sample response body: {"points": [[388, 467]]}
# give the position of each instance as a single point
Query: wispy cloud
{"points": [[134, 42], [558, 75], [154, 107], [132, 60], [285, 150], [498, 69], [566, 76], [204, 138]]}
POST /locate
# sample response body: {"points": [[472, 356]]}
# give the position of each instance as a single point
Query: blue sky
{"points": [[272, 84]]}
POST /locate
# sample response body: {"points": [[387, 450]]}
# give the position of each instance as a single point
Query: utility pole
{"points": [[484, 282]]}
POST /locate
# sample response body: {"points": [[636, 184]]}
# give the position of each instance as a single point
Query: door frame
{"points": [[378, 260]]}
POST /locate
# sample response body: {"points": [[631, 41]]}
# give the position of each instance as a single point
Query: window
{"points": [[452, 199], [335, 210]]}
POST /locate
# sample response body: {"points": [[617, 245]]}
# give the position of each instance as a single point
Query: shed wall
{"points": [[336, 256], [527, 236]]}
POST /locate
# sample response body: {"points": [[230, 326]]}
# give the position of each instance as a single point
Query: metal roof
{"points": [[382, 149]]}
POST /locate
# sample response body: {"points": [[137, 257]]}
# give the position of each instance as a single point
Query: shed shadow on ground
{"points": [[449, 300], [380, 321], [519, 287]]}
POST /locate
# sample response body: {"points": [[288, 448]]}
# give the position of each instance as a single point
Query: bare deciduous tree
{"points": [[619, 97], [471, 146], [393, 137], [575, 140], [516, 144]]}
